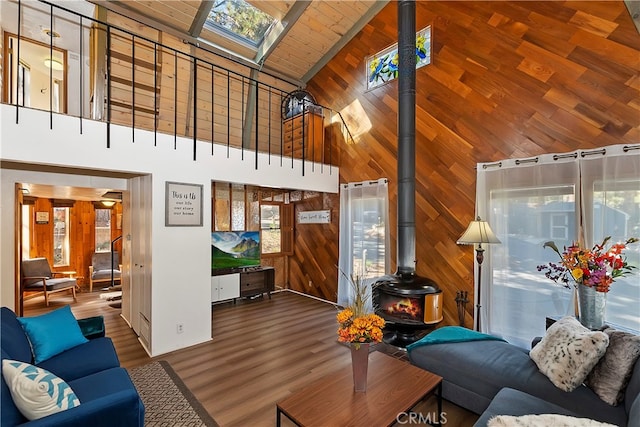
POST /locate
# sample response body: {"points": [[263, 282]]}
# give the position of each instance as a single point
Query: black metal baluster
{"points": [[256, 114], [81, 75], [269, 131], [133, 88], [18, 59], [195, 106], [108, 87], [213, 91], [51, 67], [175, 100], [228, 114], [155, 94], [242, 119]]}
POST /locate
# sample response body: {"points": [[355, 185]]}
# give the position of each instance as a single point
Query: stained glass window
{"points": [[383, 66]]}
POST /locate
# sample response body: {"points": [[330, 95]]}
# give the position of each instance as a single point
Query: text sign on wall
{"points": [[183, 204], [314, 217]]}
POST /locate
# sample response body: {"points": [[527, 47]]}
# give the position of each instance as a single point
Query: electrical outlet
{"points": [[310, 284], [179, 328]]}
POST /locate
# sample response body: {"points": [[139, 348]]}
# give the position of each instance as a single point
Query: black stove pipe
{"points": [[406, 137]]}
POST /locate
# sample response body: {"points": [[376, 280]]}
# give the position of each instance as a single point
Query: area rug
{"points": [[167, 400]]}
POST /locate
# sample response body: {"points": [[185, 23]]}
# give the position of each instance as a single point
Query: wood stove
{"points": [[409, 303]]}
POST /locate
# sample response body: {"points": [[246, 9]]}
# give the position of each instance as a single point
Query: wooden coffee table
{"points": [[393, 388]]}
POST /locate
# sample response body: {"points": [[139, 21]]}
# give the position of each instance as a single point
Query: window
{"points": [[364, 210], [270, 225], [60, 237], [239, 20], [383, 66], [587, 195], [103, 230]]}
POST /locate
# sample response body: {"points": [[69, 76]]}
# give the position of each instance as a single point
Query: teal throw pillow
{"points": [[36, 392], [52, 333]]}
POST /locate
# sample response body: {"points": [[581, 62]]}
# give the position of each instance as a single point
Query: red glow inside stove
{"points": [[402, 307]]}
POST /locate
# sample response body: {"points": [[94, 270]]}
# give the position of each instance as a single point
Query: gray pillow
{"points": [[609, 378]]}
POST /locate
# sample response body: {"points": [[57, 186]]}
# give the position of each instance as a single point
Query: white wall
{"points": [[181, 255]]}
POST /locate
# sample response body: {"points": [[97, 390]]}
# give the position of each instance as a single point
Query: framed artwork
{"points": [[183, 204], [42, 217]]}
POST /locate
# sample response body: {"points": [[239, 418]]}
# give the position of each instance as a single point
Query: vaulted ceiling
{"points": [[308, 35]]}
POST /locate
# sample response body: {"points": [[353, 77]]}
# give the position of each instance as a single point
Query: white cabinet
{"points": [[226, 286]]}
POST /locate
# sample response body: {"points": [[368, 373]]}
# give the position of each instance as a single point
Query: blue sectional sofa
{"points": [[92, 370], [493, 377]]}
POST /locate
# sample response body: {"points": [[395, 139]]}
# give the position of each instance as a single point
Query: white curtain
{"points": [[364, 237], [584, 195]]}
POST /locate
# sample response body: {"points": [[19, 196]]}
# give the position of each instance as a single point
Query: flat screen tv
{"points": [[235, 249]]}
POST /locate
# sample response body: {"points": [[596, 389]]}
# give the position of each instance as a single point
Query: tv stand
{"points": [[257, 281], [241, 283]]}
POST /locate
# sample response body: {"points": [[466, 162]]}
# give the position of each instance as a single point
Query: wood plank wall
{"points": [[81, 235], [507, 80], [220, 99]]}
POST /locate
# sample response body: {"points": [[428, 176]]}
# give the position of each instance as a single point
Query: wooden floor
{"points": [[262, 350]]}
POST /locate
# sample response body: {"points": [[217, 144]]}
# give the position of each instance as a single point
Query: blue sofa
{"points": [[493, 377], [92, 370]]}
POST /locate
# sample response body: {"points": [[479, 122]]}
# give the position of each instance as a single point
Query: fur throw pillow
{"points": [[543, 420], [609, 378], [568, 352]]}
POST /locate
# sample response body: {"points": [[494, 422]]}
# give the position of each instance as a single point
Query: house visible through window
{"points": [[103, 230], [60, 237]]}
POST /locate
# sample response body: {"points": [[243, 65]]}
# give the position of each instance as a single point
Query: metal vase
{"points": [[360, 365], [591, 304]]}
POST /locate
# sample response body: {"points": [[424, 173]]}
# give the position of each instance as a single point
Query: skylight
{"points": [[239, 20]]}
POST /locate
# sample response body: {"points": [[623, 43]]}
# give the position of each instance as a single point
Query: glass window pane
{"points": [[617, 214], [222, 212], [239, 19], [60, 237], [237, 208], [368, 236], [103, 230], [521, 297], [271, 236]]}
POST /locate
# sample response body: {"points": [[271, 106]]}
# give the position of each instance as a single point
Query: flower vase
{"points": [[591, 306], [359, 365]]}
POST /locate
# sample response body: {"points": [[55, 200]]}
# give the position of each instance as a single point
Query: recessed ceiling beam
{"points": [[200, 18]]}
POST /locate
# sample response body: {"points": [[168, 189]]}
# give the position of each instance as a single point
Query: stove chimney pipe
{"points": [[406, 137]]}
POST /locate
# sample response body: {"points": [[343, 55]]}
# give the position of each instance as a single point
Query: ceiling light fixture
{"points": [[108, 203], [53, 64], [51, 33]]}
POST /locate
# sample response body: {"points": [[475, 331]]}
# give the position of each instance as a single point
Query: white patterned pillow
{"points": [[568, 352], [544, 420], [37, 392]]}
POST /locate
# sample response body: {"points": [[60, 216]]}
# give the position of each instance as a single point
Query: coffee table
{"points": [[393, 388]]}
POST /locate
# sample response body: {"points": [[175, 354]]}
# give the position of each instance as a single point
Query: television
{"points": [[232, 250]]}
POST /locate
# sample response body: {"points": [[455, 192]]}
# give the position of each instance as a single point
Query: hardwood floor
{"points": [[262, 350]]}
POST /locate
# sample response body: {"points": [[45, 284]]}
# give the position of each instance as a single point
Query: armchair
{"points": [[36, 276], [100, 270]]}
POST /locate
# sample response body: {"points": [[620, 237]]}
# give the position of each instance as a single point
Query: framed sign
{"points": [[314, 217], [183, 205], [42, 217]]}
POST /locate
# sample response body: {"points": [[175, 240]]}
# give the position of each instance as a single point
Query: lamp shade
{"points": [[478, 232]]}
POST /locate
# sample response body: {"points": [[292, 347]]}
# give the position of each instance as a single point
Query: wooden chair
{"points": [[101, 268], [36, 276]]}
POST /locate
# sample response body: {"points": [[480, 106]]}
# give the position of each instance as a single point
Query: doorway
{"points": [[36, 75]]}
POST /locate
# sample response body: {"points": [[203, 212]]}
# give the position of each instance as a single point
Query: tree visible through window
{"points": [[240, 19]]}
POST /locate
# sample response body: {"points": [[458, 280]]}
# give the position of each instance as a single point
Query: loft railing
{"points": [[130, 78]]}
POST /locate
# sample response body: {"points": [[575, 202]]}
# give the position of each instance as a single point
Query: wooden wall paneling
{"points": [[507, 79]]}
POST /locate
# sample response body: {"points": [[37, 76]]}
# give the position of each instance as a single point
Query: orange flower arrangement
{"points": [[355, 325]]}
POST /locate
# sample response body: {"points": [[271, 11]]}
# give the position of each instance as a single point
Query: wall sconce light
{"points": [[53, 64]]}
